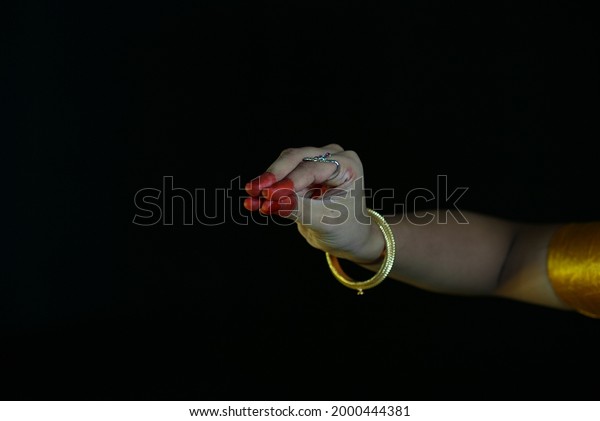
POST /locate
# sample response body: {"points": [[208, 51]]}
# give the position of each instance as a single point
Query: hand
{"points": [[326, 203]]}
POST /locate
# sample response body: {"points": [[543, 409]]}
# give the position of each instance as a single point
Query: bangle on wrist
{"points": [[387, 260]]}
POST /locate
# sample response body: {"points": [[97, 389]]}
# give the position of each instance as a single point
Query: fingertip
{"points": [[283, 207], [268, 207], [266, 180], [254, 186], [282, 188], [252, 203], [250, 189]]}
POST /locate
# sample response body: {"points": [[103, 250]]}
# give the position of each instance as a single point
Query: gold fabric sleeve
{"points": [[574, 266]]}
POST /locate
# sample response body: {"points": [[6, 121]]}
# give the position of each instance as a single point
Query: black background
{"points": [[109, 98]]}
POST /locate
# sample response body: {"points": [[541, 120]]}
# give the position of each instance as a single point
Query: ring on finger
{"points": [[326, 157]]}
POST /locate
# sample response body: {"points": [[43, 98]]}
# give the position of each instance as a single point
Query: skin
{"points": [[487, 256]]}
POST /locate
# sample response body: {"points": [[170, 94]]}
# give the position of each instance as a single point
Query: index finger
{"points": [[287, 161], [290, 158]]}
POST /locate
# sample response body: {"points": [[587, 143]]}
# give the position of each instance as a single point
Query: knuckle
{"points": [[352, 155], [287, 152], [334, 147]]}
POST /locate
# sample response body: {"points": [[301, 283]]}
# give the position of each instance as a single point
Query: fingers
{"points": [[290, 158], [255, 186], [276, 191], [281, 199], [283, 165]]}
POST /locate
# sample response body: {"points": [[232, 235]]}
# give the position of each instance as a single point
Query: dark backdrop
{"points": [[115, 97]]}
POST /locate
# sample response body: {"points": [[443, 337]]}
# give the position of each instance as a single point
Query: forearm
{"points": [[481, 256]]}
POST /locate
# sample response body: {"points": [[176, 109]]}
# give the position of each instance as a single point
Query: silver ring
{"points": [[325, 158]]}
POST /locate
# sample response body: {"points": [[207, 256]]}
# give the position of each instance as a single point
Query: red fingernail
{"points": [[282, 188], [252, 203], [268, 207], [282, 207], [254, 186]]}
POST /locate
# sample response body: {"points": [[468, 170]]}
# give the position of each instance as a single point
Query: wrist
{"points": [[372, 250], [387, 262]]}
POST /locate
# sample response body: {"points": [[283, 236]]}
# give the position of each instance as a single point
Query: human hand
{"points": [[325, 201]]}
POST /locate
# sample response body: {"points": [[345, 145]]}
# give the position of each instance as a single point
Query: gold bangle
{"points": [[384, 269]]}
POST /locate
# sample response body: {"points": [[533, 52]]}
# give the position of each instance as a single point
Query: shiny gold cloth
{"points": [[574, 266]]}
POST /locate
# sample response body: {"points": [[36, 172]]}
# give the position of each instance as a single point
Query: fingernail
{"points": [[268, 207], [252, 203]]}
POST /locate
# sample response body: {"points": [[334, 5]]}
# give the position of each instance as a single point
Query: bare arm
{"points": [[485, 256], [480, 256]]}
